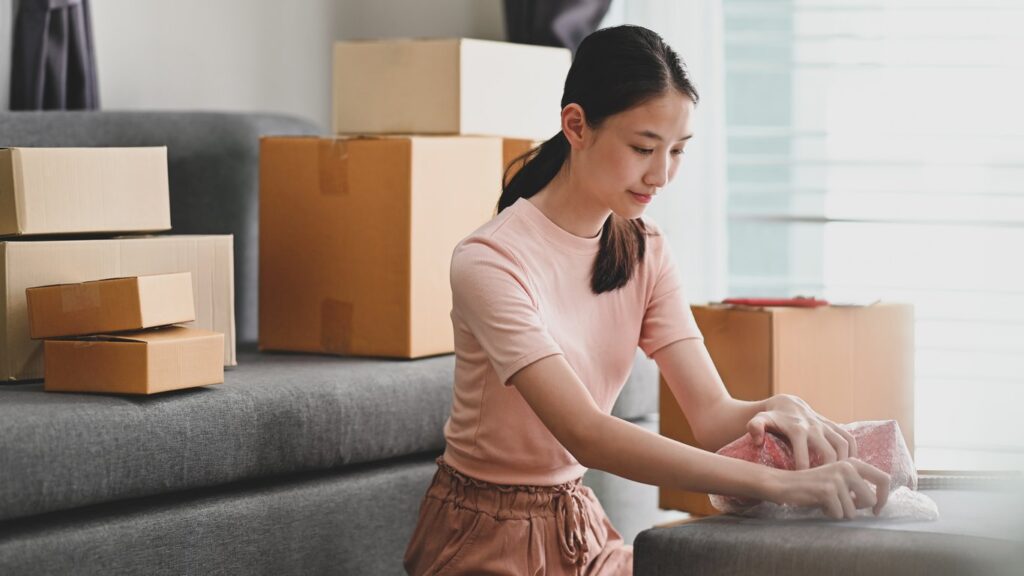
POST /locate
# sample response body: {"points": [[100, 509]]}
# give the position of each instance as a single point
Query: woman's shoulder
{"points": [[654, 234], [492, 241]]}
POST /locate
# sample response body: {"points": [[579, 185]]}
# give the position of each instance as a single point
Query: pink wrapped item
{"points": [[879, 443]]}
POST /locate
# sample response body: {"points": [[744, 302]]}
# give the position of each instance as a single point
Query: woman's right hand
{"points": [[839, 488]]}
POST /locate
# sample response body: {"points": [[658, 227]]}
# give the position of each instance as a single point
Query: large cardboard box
{"points": [[849, 363], [356, 238], [111, 305], [79, 190], [448, 86], [144, 362], [39, 263]]}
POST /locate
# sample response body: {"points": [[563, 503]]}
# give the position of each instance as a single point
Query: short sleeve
{"points": [[491, 295], [667, 316]]}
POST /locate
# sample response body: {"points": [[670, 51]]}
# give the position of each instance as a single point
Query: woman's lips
{"points": [[641, 198]]}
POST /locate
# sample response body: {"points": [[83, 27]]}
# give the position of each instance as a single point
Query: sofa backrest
{"points": [[213, 169]]}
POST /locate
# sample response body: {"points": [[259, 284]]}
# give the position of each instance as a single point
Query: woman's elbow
{"points": [[586, 443]]}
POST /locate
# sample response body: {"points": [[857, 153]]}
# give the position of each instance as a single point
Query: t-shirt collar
{"points": [[555, 233]]}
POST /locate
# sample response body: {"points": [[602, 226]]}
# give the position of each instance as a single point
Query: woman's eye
{"points": [[678, 152], [644, 151]]}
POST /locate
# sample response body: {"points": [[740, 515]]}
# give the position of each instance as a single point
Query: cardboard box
{"points": [[448, 86], [143, 362], [111, 305], [849, 363], [82, 190], [356, 238], [513, 148], [39, 263]]}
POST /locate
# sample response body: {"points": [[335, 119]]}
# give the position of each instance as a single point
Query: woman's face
{"points": [[633, 154]]}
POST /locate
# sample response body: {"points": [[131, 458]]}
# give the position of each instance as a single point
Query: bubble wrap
{"points": [[879, 443]]}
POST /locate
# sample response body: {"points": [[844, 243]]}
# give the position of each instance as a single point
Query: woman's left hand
{"points": [[790, 416]]}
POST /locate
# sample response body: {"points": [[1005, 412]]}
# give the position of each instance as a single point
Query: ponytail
{"points": [[536, 168]]}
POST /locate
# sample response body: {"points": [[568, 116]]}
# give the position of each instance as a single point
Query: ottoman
{"points": [[979, 532]]}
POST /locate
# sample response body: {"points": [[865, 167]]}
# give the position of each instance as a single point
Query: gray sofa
{"points": [[297, 464]]}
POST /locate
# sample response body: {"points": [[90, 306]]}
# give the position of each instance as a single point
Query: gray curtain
{"points": [[53, 65], [553, 22]]}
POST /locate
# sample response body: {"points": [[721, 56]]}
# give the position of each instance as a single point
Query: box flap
{"points": [[150, 336]]}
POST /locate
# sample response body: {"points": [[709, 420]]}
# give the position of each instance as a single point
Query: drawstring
{"points": [[573, 518]]}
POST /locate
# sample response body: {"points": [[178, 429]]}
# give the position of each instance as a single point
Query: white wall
{"points": [[255, 55]]}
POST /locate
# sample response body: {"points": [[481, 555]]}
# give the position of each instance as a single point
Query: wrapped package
{"points": [[879, 443]]}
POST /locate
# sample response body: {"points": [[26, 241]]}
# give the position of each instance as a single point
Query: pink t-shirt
{"points": [[521, 292]]}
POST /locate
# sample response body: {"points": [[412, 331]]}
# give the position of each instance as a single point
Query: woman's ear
{"points": [[574, 124]]}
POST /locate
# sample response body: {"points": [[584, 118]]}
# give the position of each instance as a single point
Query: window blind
{"points": [[876, 150]]}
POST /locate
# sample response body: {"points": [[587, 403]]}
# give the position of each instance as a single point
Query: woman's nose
{"points": [[656, 175]]}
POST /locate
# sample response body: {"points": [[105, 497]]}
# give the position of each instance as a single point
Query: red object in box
{"points": [[797, 302]]}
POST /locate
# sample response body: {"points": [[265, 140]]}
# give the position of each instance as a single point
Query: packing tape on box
{"points": [[332, 164], [74, 298], [336, 326]]}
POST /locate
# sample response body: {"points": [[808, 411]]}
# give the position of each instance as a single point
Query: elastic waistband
{"points": [[567, 503]]}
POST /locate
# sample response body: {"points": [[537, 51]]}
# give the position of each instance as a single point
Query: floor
{"points": [[631, 506]]}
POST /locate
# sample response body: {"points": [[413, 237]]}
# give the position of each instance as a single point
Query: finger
{"points": [[817, 440], [851, 441], [798, 441], [849, 510], [862, 495], [833, 508], [880, 479], [837, 442], [757, 428]]}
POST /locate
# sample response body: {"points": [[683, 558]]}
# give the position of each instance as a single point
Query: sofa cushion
{"points": [[213, 167], [352, 521], [275, 414]]}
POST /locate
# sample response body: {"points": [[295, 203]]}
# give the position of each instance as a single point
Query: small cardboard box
{"points": [[83, 190], [848, 363], [356, 238], [448, 86], [144, 362], [111, 305], [24, 264]]}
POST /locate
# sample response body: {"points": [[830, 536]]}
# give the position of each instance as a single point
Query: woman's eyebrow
{"points": [[656, 136]]}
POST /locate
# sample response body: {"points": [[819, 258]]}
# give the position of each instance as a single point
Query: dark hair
{"points": [[614, 69]]}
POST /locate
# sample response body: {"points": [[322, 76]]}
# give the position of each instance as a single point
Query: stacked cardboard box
{"points": [[850, 363], [357, 231], [89, 198], [120, 335]]}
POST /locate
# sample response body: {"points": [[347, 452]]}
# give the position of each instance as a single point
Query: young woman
{"points": [[550, 300]]}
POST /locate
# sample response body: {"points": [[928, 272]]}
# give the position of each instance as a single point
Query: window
{"points": [[876, 149]]}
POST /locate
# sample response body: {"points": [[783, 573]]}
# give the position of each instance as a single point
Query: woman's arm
{"points": [[715, 417], [601, 441], [598, 440]]}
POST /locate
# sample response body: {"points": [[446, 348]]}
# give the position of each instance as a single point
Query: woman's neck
{"points": [[565, 203]]}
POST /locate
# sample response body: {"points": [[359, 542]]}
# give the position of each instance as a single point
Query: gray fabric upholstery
{"points": [[352, 521], [639, 397], [977, 533], [213, 167], [275, 414]]}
